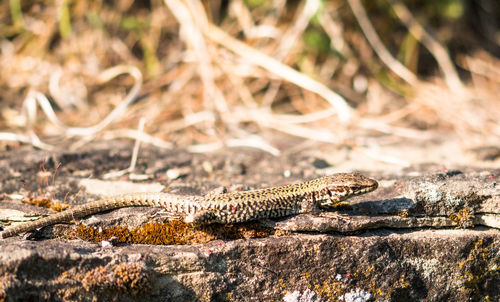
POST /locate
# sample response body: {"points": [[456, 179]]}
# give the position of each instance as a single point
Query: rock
{"points": [[429, 237]]}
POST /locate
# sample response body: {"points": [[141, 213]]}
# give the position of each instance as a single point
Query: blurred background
{"points": [[399, 82]]}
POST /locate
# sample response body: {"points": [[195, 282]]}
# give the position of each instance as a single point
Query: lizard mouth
{"points": [[368, 188], [364, 189]]}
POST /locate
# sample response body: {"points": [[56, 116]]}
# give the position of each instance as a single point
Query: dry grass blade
{"points": [[137, 145], [251, 141], [288, 40], [121, 108], [33, 97], [190, 19], [482, 68], [385, 127], [437, 50], [297, 29], [304, 118], [378, 46], [283, 71], [220, 74], [31, 139], [135, 153], [132, 134], [267, 120], [334, 29]]}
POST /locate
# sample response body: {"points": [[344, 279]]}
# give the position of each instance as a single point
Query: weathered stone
{"points": [[399, 243]]}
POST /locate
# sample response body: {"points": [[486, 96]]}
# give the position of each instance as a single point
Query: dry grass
{"points": [[203, 75]]}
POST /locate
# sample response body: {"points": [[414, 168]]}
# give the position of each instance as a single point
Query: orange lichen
{"points": [[173, 232], [7, 281], [480, 266], [280, 233], [46, 203], [464, 218], [341, 206], [99, 277], [402, 213], [363, 279], [330, 290], [131, 278]]}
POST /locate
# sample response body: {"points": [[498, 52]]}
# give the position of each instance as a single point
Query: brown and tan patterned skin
{"points": [[304, 197]]}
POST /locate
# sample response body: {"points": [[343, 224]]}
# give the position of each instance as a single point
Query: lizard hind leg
{"points": [[201, 217], [309, 204], [170, 215]]}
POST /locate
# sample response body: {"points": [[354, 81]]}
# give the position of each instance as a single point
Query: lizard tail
{"points": [[104, 204]]}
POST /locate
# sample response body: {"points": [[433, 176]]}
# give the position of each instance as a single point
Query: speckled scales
{"points": [[234, 207]]}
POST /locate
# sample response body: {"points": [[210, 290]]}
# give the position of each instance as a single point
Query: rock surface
{"points": [[432, 235]]}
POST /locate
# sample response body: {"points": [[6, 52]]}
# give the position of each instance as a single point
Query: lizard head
{"points": [[342, 186]]}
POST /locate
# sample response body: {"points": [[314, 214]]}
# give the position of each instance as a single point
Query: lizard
{"points": [[305, 197]]}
